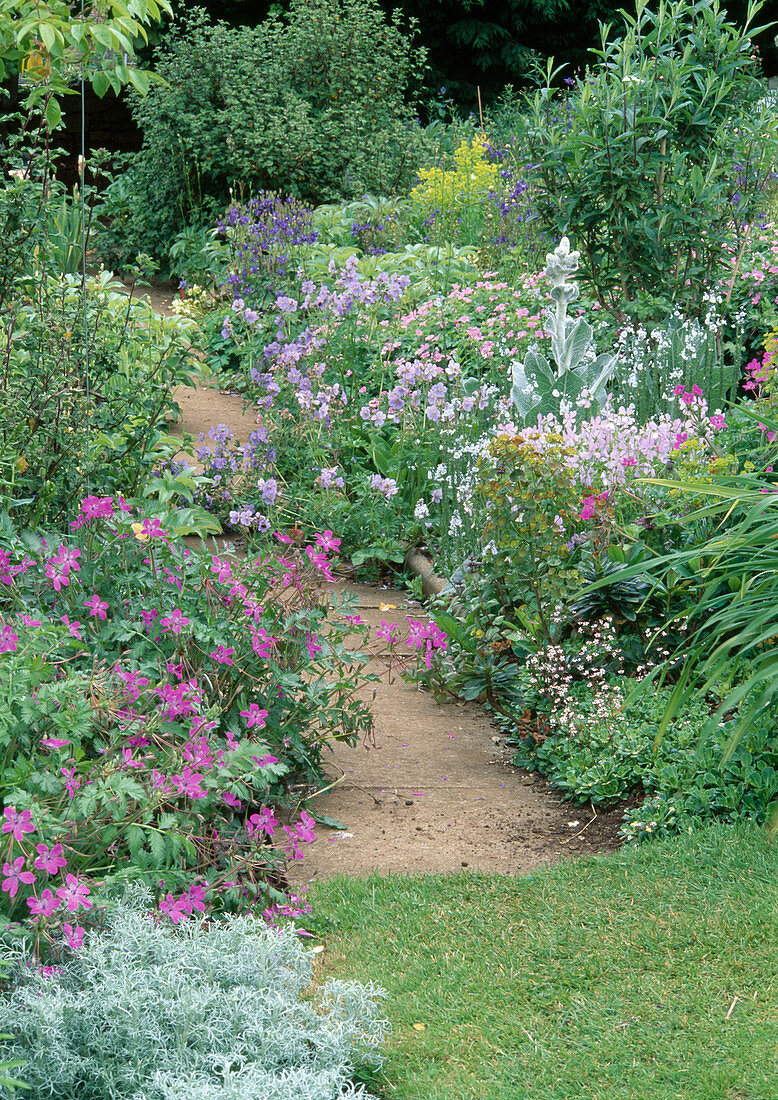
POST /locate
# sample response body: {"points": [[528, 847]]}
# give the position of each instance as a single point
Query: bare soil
{"points": [[433, 791]]}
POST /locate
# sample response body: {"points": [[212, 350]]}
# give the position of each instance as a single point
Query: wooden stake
{"points": [[480, 111]]}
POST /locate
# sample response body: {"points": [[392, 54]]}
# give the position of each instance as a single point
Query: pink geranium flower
{"points": [[96, 606], [45, 905], [50, 859], [17, 822], [16, 876], [174, 622], [255, 716], [74, 894]]}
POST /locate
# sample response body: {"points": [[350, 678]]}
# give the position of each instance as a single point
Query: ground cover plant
{"points": [[215, 1010]]}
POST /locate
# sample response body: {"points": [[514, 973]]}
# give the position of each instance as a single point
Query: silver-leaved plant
{"points": [[577, 376]]}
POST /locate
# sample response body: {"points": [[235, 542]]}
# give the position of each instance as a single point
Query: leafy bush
{"points": [[85, 395], [164, 714], [311, 103], [660, 162], [208, 1011]]}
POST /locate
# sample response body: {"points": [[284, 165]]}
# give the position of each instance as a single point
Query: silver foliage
{"points": [[148, 1012], [578, 376]]}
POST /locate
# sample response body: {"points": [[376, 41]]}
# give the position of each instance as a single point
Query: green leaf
{"points": [[100, 83], [53, 114], [48, 35], [330, 822]]}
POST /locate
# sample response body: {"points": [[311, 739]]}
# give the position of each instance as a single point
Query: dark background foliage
{"points": [[490, 43]]}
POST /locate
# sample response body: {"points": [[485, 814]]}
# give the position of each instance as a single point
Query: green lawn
{"points": [[605, 978]]}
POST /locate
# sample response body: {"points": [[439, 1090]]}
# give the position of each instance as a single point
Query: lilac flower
{"points": [[268, 489]]}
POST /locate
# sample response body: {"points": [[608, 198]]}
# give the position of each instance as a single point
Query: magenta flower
{"points": [[265, 761], [96, 606], [9, 641], [174, 622], [255, 716], [305, 827], [184, 906], [148, 618], [45, 905], [97, 507], [74, 627], [172, 908], [152, 529], [188, 783], [74, 937], [67, 559], [231, 800], [327, 541], [262, 643], [72, 781], [222, 656], [263, 822], [159, 782], [387, 631], [50, 859], [54, 742], [16, 877], [17, 822], [312, 644], [58, 579], [74, 894]]}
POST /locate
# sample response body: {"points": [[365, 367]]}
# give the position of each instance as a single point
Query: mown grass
{"points": [[607, 978]]}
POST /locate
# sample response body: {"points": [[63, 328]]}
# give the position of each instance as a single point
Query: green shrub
{"points": [[601, 748], [311, 104], [207, 1012], [84, 398], [656, 159], [155, 700]]}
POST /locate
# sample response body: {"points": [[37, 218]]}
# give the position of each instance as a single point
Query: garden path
{"points": [[433, 791]]}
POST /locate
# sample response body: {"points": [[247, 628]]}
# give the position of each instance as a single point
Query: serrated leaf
{"points": [[158, 848]]}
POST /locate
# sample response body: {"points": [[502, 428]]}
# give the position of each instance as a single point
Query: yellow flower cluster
{"points": [[469, 181]]}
